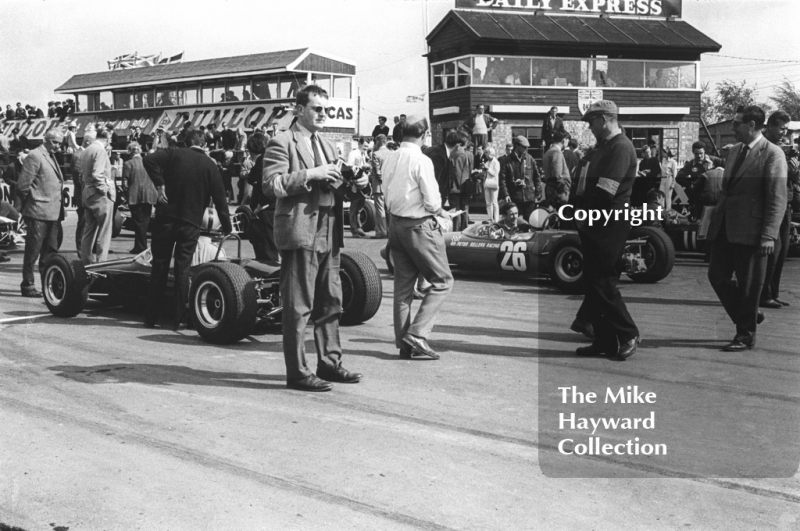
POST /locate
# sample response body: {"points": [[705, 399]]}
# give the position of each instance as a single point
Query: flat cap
{"points": [[600, 107], [520, 140]]}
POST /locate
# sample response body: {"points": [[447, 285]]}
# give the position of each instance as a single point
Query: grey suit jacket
{"points": [[378, 159], [752, 202], [96, 173], [141, 189], [286, 163], [555, 166], [39, 186]]}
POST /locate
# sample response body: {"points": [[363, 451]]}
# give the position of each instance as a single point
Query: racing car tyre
{"points": [[366, 216], [659, 254], [223, 302], [65, 285], [387, 256], [116, 230], [244, 214], [566, 266], [362, 289]]}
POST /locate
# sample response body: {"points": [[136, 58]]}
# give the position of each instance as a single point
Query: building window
{"points": [[342, 87], [123, 100], [323, 81], [444, 76], [213, 92], [106, 100], [238, 91], [265, 89], [187, 95], [291, 83], [463, 72], [143, 99], [166, 97]]}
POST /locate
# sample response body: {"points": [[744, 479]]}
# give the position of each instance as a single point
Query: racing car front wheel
{"points": [[362, 289], [658, 253], [65, 285], [566, 266], [366, 216], [223, 302]]}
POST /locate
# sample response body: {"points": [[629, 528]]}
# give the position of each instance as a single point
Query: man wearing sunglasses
{"points": [[299, 173]]}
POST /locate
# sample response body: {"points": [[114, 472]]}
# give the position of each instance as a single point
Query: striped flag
{"points": [[169, 60]]}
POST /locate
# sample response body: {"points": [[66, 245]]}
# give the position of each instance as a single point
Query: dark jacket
{"points": [[378, 130], [548, 130], [514, 168], [441, 167], [397, 133], [228, 139], [190, 180]]}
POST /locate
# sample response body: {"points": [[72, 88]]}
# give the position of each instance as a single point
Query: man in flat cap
{"points": [[608, 184], [520, 181]]}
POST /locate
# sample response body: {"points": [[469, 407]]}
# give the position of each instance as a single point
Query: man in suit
{"points": [[379, 154], [556, 171], [551, 124], [299, 173], [142, 195], [186, 179], [39, 189], [745, 224], [478, 125], [462, 162], [440, 156], [397, 132], [520, 181], [98, 195]]}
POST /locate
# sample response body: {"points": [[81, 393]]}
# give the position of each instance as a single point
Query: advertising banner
{"points": [[640, 8]]}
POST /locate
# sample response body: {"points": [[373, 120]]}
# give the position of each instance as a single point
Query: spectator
{"points": [[520, 181], [381, 128], [36, 112], [18, 143], [228, 137], [440, 156], [10, 115], [570, 157], [77, 183], [212, 138], [647, 178], [70, 141], [262, 225], [244, 188], [491, 184], [397, 132], [60, 112], [142, 196], [550, 125], [20, 113], [556, 172], [669, 169], [51, 109], [161, 139], [136, 136], [699, 164], [227, 168], [39, 188], [462, 162], [356, 159], [379, 155], [479, 125], [99, 193]]}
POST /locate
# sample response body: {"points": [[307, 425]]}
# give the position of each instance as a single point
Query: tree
{"points": [[787, 99], [729, 95]]}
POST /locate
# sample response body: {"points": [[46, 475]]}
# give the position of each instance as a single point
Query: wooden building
{"points": [[520, 62]]}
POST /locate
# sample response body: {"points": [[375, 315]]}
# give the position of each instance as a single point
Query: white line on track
{"points": [[34, 316]]}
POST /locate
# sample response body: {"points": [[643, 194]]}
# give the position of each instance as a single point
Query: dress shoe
{"points": [[628, 349], [582, 327], [358, 233], [781, 302], [420, 347], [31, 292], [590, 350], [770, 303], [380, 236], [310, 383], [760, 317], [738, 345], [408, 353], [338, 375]]}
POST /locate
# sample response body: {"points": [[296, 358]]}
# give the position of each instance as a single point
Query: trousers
{"points": [[262, 236], [141, 220], [774, 270], [98, 215], [380, 216], [40, 242], [170, 237]]}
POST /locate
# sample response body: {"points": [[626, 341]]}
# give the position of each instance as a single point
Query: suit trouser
{"points": [[739, 298], [141, 219], [418, 248], [460, 201], [355, 207], [262, 236], [41, 241], [79, 228], [310, 289], [99, 222], [480, 141], [772, 278], [170, 237], [603, 303], [380, 216]]}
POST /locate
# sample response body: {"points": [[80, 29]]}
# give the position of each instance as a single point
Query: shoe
{"points": [[781, 302], [338, 375], [738, 345], [418, 295], [770, 303], [760, 317], [31, 292], [310, 383], [590, 350], [4, 257], [380, 236], [358, 233], [582, 327], [628, 349], [420, 346], [151, 324], [408, 353]]}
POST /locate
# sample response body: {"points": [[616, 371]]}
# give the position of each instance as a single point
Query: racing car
{"points": [[648, 256], [229, 298]]}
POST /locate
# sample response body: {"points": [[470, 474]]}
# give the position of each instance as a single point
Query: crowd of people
{"points": [[55, 109]]}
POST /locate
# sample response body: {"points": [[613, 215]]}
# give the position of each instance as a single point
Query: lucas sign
{"points": [[639, 8]]}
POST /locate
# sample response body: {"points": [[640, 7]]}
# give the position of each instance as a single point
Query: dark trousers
{"points": [[79, 229], [740, 298], [227, 182], [310, 289], [603, 303], [459, 201], [141, 220], [772, 278], [355, 207], [170, 237], [262, 235], [40, 242]]}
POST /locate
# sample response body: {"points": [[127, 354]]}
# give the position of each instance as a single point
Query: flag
{"points": [[122, 61], [147, 60], [415, 99], [169, 60]]}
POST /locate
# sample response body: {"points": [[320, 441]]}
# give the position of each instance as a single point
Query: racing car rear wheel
{"points": [[566, 266], [223, 302], [658, 254], [65, 285], [362, 289], [366, 216], [243, 215]]}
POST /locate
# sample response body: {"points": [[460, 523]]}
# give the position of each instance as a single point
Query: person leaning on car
{"points": [[186, 180]]}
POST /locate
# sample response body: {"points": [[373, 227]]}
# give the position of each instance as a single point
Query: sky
{"points": [[45, 42]]}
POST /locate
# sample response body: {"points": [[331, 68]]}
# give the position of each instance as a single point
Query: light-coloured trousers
{"points": [[98, 217], [492, 209]]}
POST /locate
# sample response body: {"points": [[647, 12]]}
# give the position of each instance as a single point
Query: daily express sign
{"points": [[642, 8]]}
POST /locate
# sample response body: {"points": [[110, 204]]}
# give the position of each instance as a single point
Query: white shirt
{"points": [[355, 158], [410, 184], [480, 125]]}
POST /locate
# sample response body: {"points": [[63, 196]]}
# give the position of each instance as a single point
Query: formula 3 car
{"points": [[229, 298], [648, 256]]}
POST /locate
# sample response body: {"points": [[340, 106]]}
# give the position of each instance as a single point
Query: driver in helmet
{"points": [[511, 221]]}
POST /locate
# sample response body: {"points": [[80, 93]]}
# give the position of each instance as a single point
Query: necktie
{"points": [[739, 161], [319, 158]]}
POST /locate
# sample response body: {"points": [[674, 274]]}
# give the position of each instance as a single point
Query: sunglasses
{"points": [[318, 109]]}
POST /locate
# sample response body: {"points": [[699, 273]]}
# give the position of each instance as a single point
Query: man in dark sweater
{"points": [[186, 179]]}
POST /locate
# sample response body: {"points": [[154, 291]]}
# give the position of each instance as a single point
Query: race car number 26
{"points": [[512, 256]]}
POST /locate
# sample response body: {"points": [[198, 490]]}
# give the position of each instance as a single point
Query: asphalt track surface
{"points": [[107, 425]]}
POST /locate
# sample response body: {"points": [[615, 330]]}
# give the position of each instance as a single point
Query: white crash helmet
{"points": [[538, 218]]}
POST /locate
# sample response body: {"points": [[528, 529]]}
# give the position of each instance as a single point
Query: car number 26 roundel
{"points": [[512, 256]]}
